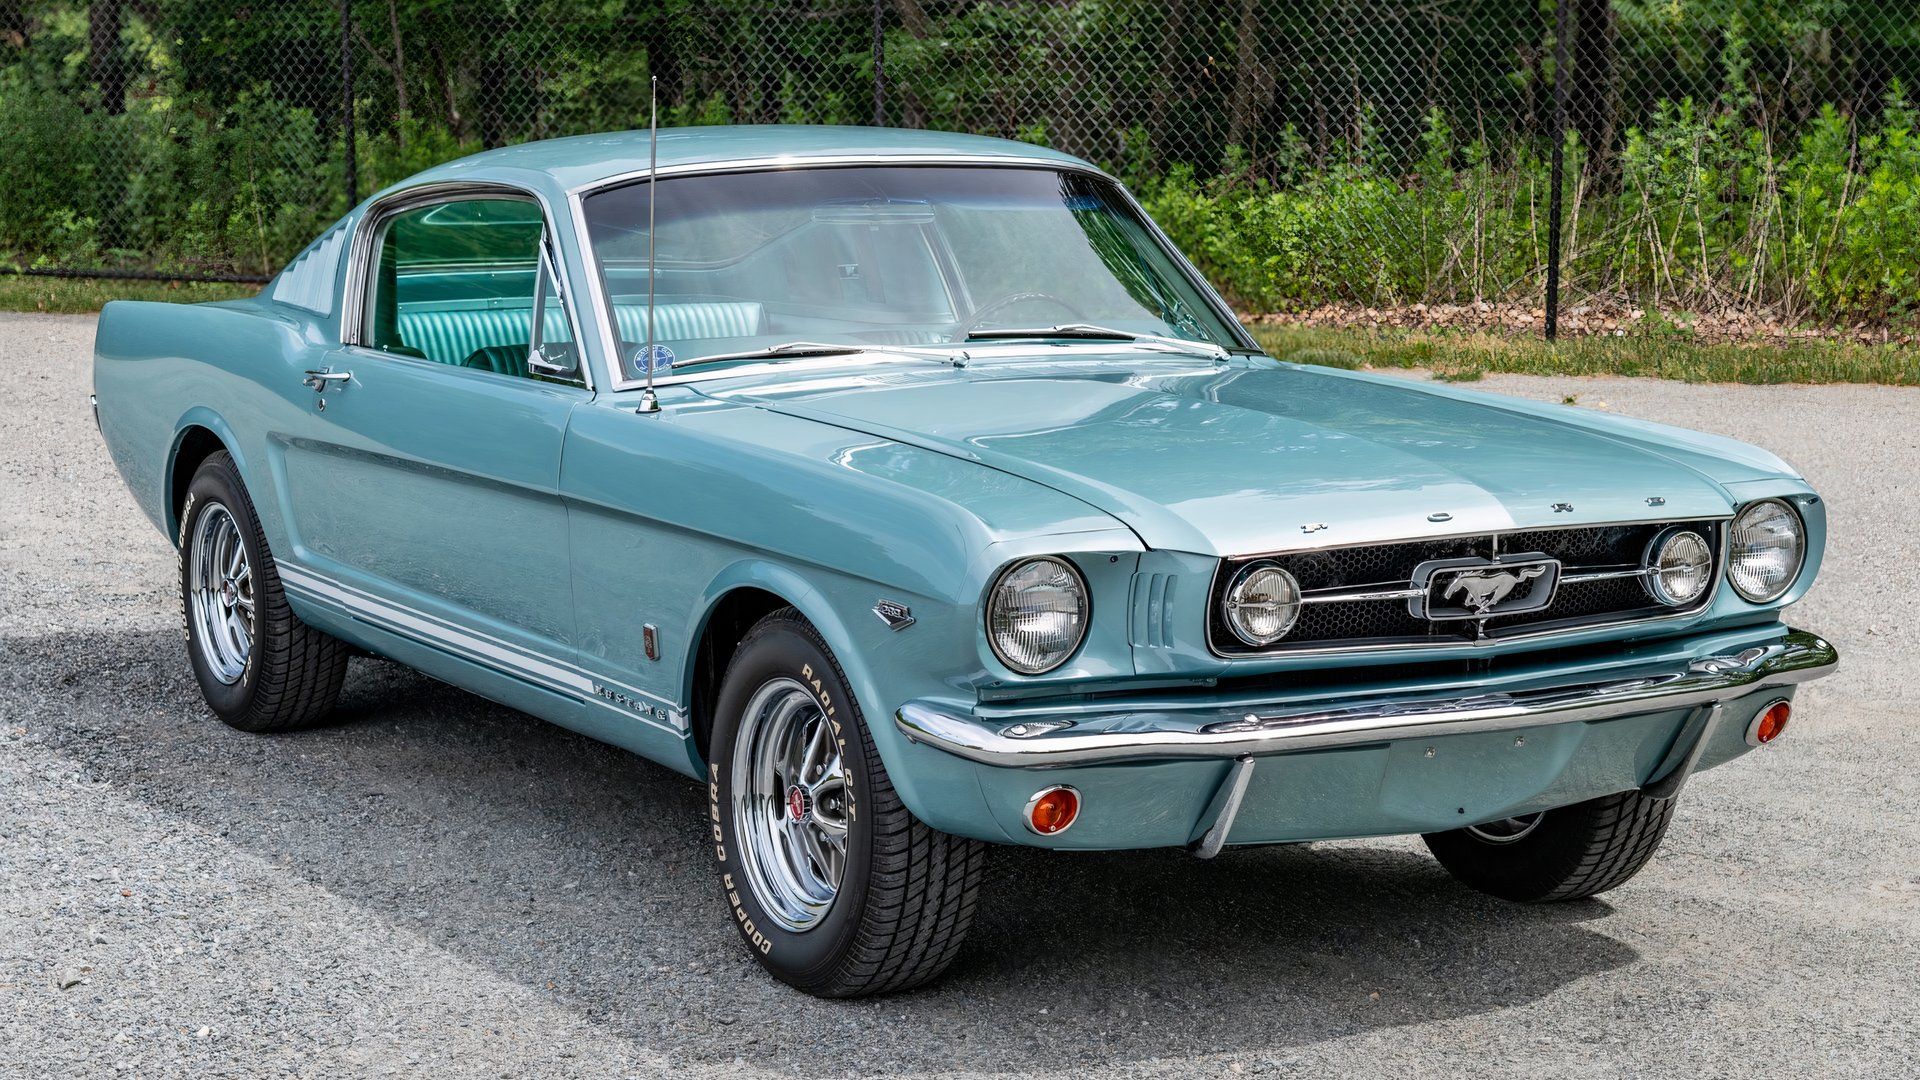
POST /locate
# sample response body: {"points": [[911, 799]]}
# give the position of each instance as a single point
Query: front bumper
{"points": [[1137, 736], [1376, 760]]}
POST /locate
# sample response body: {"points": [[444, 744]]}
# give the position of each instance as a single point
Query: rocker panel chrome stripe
{"points": [[475, 646]]}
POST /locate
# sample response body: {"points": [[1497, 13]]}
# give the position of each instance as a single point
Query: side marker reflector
{"points": [[1769, 723], [1052, 809]]}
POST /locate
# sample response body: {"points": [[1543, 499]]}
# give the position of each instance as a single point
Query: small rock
{"points": [[204, 1032], [71, 978]]}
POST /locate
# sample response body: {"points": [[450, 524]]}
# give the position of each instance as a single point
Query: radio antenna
{"points": [[648, 402]]}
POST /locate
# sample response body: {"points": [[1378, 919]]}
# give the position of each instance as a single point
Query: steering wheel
{"points": [[994, 307]]}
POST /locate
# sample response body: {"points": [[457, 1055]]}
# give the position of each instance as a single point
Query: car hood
{"points": [[1259, 456]]}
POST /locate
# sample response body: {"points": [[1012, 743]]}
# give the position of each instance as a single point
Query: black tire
{"points": [[292, 673], [906, 893], [1573, 852]]}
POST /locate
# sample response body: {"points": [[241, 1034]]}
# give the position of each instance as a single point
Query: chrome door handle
{"points": [[323, 380]]}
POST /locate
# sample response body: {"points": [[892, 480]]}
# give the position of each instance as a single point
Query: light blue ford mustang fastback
{"points": [[911, 491]]}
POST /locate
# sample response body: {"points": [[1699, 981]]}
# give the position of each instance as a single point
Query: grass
{"points": [[1450, 354], [1464, 356], [25, 292]]}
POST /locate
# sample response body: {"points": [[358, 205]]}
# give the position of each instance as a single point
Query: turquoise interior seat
{"points": [[691, 321], [451, 336]]}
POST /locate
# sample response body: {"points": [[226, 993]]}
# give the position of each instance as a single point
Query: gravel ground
{"points": [[439, 884]]}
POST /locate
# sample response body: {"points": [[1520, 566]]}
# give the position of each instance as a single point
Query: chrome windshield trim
{"points": [[595, 272], [1135, 735]]}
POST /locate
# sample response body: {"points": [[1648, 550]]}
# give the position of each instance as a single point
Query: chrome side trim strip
{"points": [[526, 664], [1795, 657]]}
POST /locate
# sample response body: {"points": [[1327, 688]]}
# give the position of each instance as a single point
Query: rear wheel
{"points": [[837, 889], [259, 667], [1561, 854]]}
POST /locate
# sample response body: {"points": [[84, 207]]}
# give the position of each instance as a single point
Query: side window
{"points": [[468, 284]]}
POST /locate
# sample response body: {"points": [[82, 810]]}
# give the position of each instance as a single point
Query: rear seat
{"points": [[453, 337], [690, 322]]}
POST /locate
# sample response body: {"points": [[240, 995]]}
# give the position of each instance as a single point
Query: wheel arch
{"points": [[738, 598], [200, 434]]}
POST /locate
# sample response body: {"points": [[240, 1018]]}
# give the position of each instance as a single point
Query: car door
{"points": [[421, 491]]}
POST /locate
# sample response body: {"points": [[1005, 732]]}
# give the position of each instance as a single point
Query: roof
{"points": [[582, 159]]}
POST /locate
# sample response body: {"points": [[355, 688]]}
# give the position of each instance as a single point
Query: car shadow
{"points": [[572, 867]]}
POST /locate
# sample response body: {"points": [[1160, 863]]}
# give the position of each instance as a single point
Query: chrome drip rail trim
{"points": [[1139, 735]]}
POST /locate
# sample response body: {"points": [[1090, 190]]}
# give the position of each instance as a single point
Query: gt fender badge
{"points": [[896, 616]]}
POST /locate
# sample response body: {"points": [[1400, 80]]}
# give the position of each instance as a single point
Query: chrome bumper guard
{"points": [[1099, 739]]}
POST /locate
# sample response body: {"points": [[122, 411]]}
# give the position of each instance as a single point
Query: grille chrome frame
{"points": [[1402, 591]]}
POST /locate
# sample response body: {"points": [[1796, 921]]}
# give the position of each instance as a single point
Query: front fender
{"points": [[883, 667]]}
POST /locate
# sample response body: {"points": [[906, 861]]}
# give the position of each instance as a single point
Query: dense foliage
{"points": [[1701, 214], [1724, 153]]}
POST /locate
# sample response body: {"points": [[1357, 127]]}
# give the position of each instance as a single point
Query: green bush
{"points": [[1702, 212]]}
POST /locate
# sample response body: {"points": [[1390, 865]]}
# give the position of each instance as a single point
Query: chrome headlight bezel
{"points": [[992, 608], [1656, 582], [1234, 597], [1799, 531]]}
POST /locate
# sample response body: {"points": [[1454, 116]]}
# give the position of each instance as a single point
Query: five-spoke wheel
{"points": [[259, 666], [220, 594], [834, 885], [790, 797]]}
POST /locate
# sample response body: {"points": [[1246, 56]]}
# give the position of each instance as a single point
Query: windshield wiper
{"points": [[783, 350], [796, 349], [1088, 331]]}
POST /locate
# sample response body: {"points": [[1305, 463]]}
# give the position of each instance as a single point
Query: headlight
{"points": [[1036, 614], [1768, 545], [1261, 604], [1681, 567]]}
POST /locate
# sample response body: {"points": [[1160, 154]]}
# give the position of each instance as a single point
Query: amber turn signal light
{"points": [[1052, 809], [1769, 723]]}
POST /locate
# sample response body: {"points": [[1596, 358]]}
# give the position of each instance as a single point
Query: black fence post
{"points": [[346, 103], [879, 67], [1561, 28]]}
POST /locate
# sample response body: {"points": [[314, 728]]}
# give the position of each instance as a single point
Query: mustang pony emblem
{"points": [[1484, 590]]}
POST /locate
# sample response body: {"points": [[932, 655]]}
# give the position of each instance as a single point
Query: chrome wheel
{"points": [[220, 594], [790, 800], [1507, 830]]}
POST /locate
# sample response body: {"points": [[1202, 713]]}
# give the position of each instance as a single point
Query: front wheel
{"points": [[1561, 854], [837, 889]]}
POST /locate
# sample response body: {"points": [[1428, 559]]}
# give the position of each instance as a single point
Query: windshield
{"points": [[887, 256]]}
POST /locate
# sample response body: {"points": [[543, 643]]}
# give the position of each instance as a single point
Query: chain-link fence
{"points": [[1739, 157]]}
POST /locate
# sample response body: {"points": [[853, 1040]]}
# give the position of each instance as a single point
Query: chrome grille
{"points": [[1358, 596]]}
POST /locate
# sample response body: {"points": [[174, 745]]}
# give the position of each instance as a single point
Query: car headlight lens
{"points": [[1680, 565], [1767, 546], [1037, 614], [1262, 604]]}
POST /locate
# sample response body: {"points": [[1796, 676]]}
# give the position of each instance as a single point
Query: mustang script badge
{"points": [[1475, 588]]}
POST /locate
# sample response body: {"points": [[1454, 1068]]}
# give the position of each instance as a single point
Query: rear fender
{"points": [[199, 416]]}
